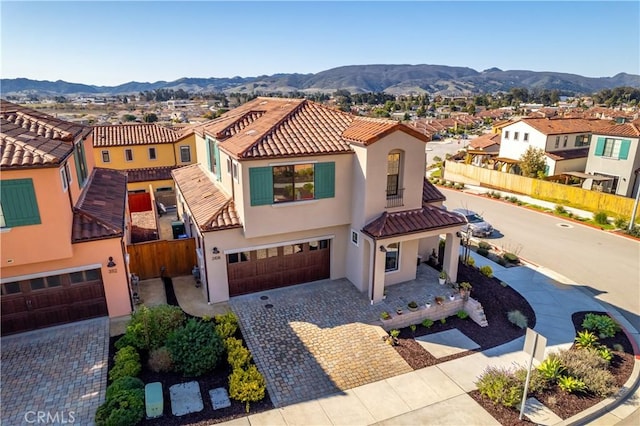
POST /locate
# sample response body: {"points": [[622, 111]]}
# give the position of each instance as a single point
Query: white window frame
{"points": [[506, 134], [516, 135], [557, 144], [105, 152], [397, 268], [525, 138], [565, 141], [187, 149], [355, 238], [234, 171], [229, 166], [128, 152]]}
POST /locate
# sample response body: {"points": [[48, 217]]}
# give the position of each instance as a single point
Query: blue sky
{"points": [[110, 43]]}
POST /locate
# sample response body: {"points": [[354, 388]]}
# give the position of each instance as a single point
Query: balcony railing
{"points": [[395, 198]]}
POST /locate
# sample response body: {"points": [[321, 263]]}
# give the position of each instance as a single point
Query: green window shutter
{"points": [[208, 146], [599, 147], [261, 185], [19, 203], [325, 180], [216, 153], [624, 149], [78, 169]]}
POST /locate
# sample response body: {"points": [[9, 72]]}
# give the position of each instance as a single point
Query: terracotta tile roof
{"points": [[30, 138], [555, 126], [568, 154], [212, 210], [627, 129], [412, 221], [275, 127], [133, 134], [149, 174], [485, 141], [100, 211], [430, 193]]}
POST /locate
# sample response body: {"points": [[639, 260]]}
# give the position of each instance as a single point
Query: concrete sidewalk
{"points": [[437, 395]]}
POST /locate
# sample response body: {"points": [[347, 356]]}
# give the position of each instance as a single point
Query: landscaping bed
{"points": [[184, 362], [497, 301]]}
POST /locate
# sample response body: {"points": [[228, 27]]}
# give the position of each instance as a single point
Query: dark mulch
{"points": [[497, 301], [219, 378]]}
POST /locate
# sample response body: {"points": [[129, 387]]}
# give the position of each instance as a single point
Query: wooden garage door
{"points": [[57, 299], [275, 267]]}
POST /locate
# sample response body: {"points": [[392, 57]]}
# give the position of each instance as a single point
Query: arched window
{"points": [[394, 159]]}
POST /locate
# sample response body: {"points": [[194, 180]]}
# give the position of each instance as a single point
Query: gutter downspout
{"points": [[206, 272], [126, 270]]}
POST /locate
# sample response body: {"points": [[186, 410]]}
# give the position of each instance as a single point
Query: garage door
{"points": [[56, 299], [274, 267]]}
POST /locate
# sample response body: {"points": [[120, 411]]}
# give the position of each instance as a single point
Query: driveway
{"points": [[56, 375], [315, 339]]}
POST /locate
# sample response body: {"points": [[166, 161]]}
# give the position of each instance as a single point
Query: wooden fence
{"points": [[568, 196], [178, 257]]}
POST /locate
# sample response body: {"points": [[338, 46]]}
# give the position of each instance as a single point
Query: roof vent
{"points": [[251, 132]]}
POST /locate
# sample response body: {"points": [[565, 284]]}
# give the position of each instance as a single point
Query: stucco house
{"points": [[288, 191], [147, 152], [63, 227], [565, 141], [613, 160]]}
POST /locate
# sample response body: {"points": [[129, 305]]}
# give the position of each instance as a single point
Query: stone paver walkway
{"points": [[315, 340], [59, 371]]}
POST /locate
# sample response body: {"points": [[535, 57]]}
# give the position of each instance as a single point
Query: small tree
{"points": [[150, 118], [532, 162]]}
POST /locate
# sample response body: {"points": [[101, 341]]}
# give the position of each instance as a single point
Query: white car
{"points": [[478, 226]]}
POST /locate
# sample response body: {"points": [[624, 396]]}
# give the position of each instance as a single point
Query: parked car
{"points": [[478, 226]]}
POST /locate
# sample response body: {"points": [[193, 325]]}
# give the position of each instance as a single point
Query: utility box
{"points": [[178, 229], [153, 399]]}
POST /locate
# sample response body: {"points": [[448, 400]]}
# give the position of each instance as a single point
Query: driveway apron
{"points": [[315, 339], [57, 375]]}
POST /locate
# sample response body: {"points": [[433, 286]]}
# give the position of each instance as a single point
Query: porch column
{"points": [[451, 254], [378, 272]]}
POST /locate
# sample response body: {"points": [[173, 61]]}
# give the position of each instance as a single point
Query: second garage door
{"points": [[274, 267]]}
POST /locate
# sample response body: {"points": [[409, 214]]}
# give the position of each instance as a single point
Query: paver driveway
{"points": [[55, 376], [315, 339]]}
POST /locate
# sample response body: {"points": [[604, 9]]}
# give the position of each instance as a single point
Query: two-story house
{"points": [[62, 225], [565, 141], [288, 191], [614, 160], [147, 152]]}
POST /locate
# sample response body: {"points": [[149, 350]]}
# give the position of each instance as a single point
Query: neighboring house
{"points": [[288, 191], [63, 225], [616, 157], [565, 141], [147, 152], [483, 148]]}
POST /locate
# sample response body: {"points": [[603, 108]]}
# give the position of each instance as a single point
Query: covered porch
{"points": [[395, 244]]}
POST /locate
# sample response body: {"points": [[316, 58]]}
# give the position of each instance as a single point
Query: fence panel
{"points": [[177, 257]]}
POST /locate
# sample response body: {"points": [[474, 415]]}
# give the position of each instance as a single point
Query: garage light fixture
{"points": [[111, 263], [383, 249], [215, 250]]}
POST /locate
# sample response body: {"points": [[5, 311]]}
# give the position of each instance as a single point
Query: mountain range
{"points": [[392, 79]]}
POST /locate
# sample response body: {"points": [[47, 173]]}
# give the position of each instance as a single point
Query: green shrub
{"points": [[486, 271], [604, 325], [571, 384], [517, 318], [462, 314], [126, 363], [123, 384], [160, 360], [601, 218], [501, 386], [589, 367], [484, 245], [537, 382], [586, 340], [443, 321], [122, 409], [228, 317], [605, 353], [560, 209], [482, 252], [149, 328], [247, 385], [239, 357], [231, 344], [471, 261], [621, 223], [196, 348], [551, 368], [512, 199], [226, 329], [501, 261], [427, 323], [511, 258]]}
